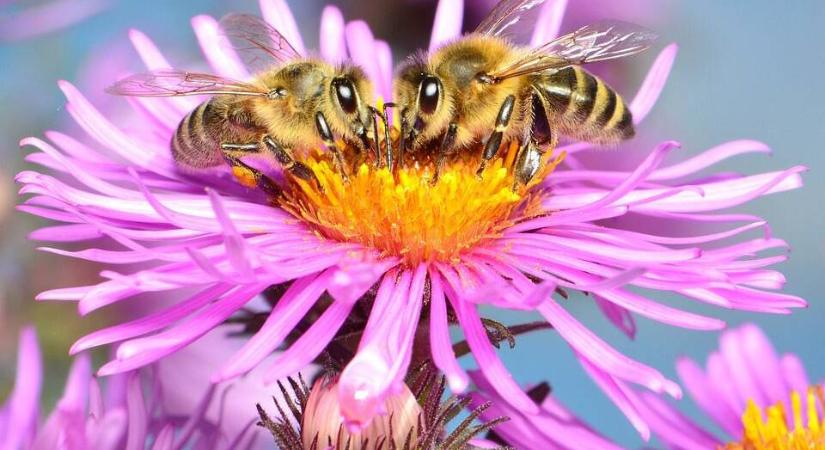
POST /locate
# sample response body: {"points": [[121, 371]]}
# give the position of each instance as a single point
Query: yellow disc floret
{"points": [[403, 213], [776, 432]]}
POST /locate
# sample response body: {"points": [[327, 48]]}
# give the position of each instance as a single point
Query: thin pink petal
{"points": [[217, 49], [22, 404], [447, 25], [624, 398], [289, 310], [333, 40], [278, 14], [654, 83], [549, 22], [440, 343]]}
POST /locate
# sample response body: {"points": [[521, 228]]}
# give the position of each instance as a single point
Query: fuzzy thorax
{"points": [[402, 213]]}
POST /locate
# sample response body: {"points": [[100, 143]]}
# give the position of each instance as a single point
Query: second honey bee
{"points": [[293, 104], [530, 95]]}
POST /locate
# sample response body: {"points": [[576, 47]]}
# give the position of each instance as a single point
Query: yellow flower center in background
{"points": [[404, 214], [773, 433]]}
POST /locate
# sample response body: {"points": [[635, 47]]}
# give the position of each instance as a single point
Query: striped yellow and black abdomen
{"points": [[583, 107], [195, 144]]}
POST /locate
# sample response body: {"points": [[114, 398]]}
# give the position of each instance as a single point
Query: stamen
{"points": [[774, 433], [401, 213]]}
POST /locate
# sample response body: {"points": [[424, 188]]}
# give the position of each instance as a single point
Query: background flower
{"points": [[127, 414], [744, 369]]}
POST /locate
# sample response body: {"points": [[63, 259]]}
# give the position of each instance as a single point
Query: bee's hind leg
{"points": [[494, 141], [288, 162], [246, 174]]}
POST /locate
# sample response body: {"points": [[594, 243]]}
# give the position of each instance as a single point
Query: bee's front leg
{"points": [[494, 141], [329, 141], [446, 148]]}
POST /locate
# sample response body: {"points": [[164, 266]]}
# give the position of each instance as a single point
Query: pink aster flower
{"points": [[409, 251], [742, 379], [126, 415]]}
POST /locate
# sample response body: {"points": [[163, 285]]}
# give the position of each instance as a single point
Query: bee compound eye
{"points": [[345, 92], [428, 94]]}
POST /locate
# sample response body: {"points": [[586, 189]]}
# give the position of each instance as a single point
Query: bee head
{"points": [[423, 100], [350, 96]]}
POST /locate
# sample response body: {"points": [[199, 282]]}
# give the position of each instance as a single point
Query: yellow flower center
{"points": [[774, 433], [405, 214]]}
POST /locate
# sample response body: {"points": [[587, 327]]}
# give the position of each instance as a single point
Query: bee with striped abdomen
{"points": [[293, 104], [531, 95]]}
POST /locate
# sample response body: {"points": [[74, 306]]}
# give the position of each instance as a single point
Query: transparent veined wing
{"points": [[258, 43], [171, 82], [512, 19], [595, 42]]}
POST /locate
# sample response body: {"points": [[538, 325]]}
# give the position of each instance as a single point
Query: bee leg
{"points": [[375, 115], [386, 120], [329, 141], [494, 141], [246, 174], [288, 162], [445, 149], [528, 163]]}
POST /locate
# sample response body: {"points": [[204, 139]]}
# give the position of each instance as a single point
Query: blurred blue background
{"points": [[746, 69]]}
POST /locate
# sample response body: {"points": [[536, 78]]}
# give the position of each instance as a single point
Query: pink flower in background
{"points": [[47, 17], [213, 250], [123, 416], [743, 378], [554, 427]]}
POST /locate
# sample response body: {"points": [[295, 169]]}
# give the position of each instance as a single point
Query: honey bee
{"points": [[292, 104], [531, 95]]}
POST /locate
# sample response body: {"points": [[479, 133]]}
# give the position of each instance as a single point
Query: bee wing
{"points": [[259, 43], [169, 83], [511, 18], [595, 42]]}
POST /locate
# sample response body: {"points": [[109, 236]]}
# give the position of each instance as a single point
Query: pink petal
{"points": [[624, 398], [618, 316], [136, 435], [485, 354], [333, 41], [289, 310], [278, 14], [21, 408], [385, 350], [139, 352], [440, 343], [654, 83], [600, 354], [150, 323], [549, 22], [217, 49], [447, 25], [705, 394], [672, 427]]}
